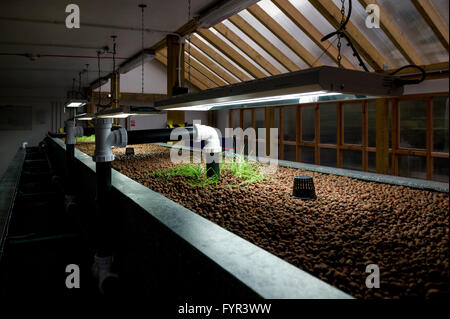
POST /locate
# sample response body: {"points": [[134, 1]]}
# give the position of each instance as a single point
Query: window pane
{"points": [[440, 124], [412, 166], [259, 120], [247, 119], [440, 169], [289, 153], [352, 123], [307, 155], [290, 122], [328, 124], [352, 160], [236, 118], [413, 123], [328, 157], [308, 123], [372, 123]]}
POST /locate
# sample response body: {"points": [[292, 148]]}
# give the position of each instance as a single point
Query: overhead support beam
{"points": [[127, 96], [333, 15], [246, 48], [231, 53], [198, 68], [214, 67], [175, 72], [395, 35], [251, 32], [270, 23], [440, 70], [210, 52], [311, 31], [433, 19], [174, 75]]}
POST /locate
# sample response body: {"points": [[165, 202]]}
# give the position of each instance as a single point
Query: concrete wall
{"points": [[11, 140]]}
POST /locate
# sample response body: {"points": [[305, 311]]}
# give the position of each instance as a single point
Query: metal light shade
{"points": [[126, 111], [320, 80]]}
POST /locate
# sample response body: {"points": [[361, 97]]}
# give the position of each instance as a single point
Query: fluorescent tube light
{"points": [[301, 98], [84, 117], [76, 103], [136, 60], [222, 11], [126, 111], [305, 84]]}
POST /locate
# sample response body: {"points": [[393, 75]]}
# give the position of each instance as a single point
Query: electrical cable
{"points": [[401, 81]]}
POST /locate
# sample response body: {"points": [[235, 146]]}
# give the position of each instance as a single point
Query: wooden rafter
{"points": [[196, 73], [200, 56], [203, 70], [333, 15], [231, 53], [259, 39], [283, 35], [433, 19], [395, 35], [210, 52], [198, 83], [246, 48], [311, 31]]}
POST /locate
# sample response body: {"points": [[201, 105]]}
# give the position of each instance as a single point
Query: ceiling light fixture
{"points": [[76, 103], [126, 111], [310, 82]]}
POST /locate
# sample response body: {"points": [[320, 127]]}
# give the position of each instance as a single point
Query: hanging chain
{"points": [[339, 44], [189, 44], [142, 6]]}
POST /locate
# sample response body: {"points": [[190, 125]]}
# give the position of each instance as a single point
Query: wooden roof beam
{"points": [[259, 39], [203, 70], [194, 81], [270, 23], [333, 15], [212, 65], [199, 75], [246, 48], [395, 35], [311, 31], [231, 53], [433, 19], [219, 59]]}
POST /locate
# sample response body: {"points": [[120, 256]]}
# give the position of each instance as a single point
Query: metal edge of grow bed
{"points": [[266, 274], [8, 191], [415, 183]]}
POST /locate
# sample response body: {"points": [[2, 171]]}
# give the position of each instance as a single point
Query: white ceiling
{"points": [[37, 27]]}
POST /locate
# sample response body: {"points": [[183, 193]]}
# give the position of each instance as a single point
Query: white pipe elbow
{"points": [[210, 136]]}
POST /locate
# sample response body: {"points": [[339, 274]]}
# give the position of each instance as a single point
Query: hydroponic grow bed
{"points": [[350, 225]]}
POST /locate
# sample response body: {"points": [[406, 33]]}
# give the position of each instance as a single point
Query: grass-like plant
{"points": [[86, 139], [195, 174]]}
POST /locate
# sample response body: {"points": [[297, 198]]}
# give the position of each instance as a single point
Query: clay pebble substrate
{"points": [[350, 225]]}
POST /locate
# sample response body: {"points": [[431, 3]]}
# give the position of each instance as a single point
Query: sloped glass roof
{"points": [[403, 14], [416, 30]]}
